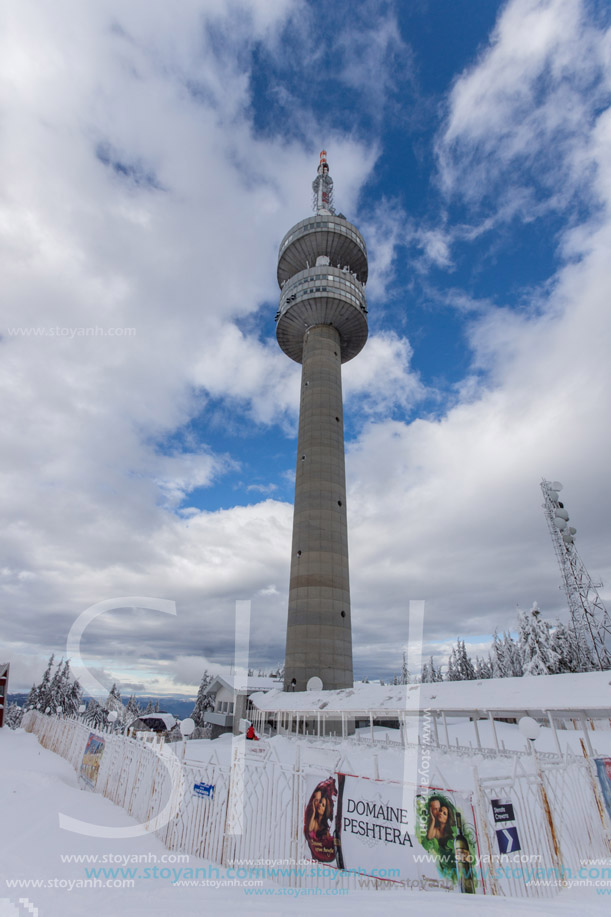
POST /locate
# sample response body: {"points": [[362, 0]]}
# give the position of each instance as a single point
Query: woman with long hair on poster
{"points": [[317, 821]]}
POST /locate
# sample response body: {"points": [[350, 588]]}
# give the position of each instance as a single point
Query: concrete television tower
{"points": [[321, 323]]}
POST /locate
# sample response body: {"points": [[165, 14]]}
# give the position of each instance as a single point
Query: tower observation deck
{"points": [[321, 323]]}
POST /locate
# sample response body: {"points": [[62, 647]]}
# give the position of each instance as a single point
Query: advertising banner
{"points": [[381, 829], [92, 758], [603, 769], [321, 822]]}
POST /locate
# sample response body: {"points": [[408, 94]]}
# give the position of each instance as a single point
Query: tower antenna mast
{"points": [[590, 620]]}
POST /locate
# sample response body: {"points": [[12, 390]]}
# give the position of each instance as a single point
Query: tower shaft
{"points": [[318, 640]]}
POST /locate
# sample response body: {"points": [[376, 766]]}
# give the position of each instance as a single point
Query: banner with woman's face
{"points": [[382, 831]]}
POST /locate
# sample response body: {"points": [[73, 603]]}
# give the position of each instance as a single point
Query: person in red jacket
{"points": [[250, 734]]}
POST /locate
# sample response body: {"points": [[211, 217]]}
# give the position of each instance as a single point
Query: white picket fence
{"points": [[256, 813]]}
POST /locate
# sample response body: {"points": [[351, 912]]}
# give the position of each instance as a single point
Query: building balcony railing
{"points": [[322, 280]]}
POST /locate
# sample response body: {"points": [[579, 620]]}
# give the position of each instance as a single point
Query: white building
{"points": [[231, 702]]}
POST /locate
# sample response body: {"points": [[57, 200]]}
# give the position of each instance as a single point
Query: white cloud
{"points": [[380, 379], [517, 117]]}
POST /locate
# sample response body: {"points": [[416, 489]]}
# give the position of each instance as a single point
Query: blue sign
{"points": [[508, 840], [203, 789]]}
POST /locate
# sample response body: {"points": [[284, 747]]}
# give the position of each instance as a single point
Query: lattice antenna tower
{"points": [[590, 620]]}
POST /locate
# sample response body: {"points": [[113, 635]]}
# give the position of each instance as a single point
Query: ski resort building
{"points": [[231, 702], [577, 702]]}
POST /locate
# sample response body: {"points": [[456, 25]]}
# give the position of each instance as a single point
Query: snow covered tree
{"points": [[464, 663], [133, 709], [14, 715], [498, 657], [68, 692], [404, 671], [460, 665], [483, 668], [113, 703], [430, 673], [95, 715], [57, 689], [513, 655], [452, 673], [203, 701], [538, 654], [149, 708], [43, 694], [31, 698], [564, 646]]}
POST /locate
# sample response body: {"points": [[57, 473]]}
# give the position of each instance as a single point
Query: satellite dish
{"points": [[567, 538], [187, 726], [529, 728], [553, 495], [556, 485], [572, 530], [314, 683], [562, 514], [560, 524]]}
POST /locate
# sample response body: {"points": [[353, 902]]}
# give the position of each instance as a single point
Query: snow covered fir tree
{"points": [[58, 692], [539, 647]]}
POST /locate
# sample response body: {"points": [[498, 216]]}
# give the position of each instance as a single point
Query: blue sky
{"points": [[154, 160]]}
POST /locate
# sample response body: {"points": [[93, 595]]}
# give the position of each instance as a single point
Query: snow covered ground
{"points": [[36, 785]]}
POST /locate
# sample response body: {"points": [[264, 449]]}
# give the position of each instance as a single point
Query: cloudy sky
{"points": [[152, 157]]}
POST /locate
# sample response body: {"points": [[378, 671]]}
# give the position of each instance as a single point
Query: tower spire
{"points": [[322, 187]]}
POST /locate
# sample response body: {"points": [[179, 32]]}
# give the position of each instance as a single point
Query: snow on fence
{"points": [[254, 813]]}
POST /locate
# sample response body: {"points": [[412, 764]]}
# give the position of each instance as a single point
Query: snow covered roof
{"points": [[589, 692], [157, 720], [253, 683]]}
